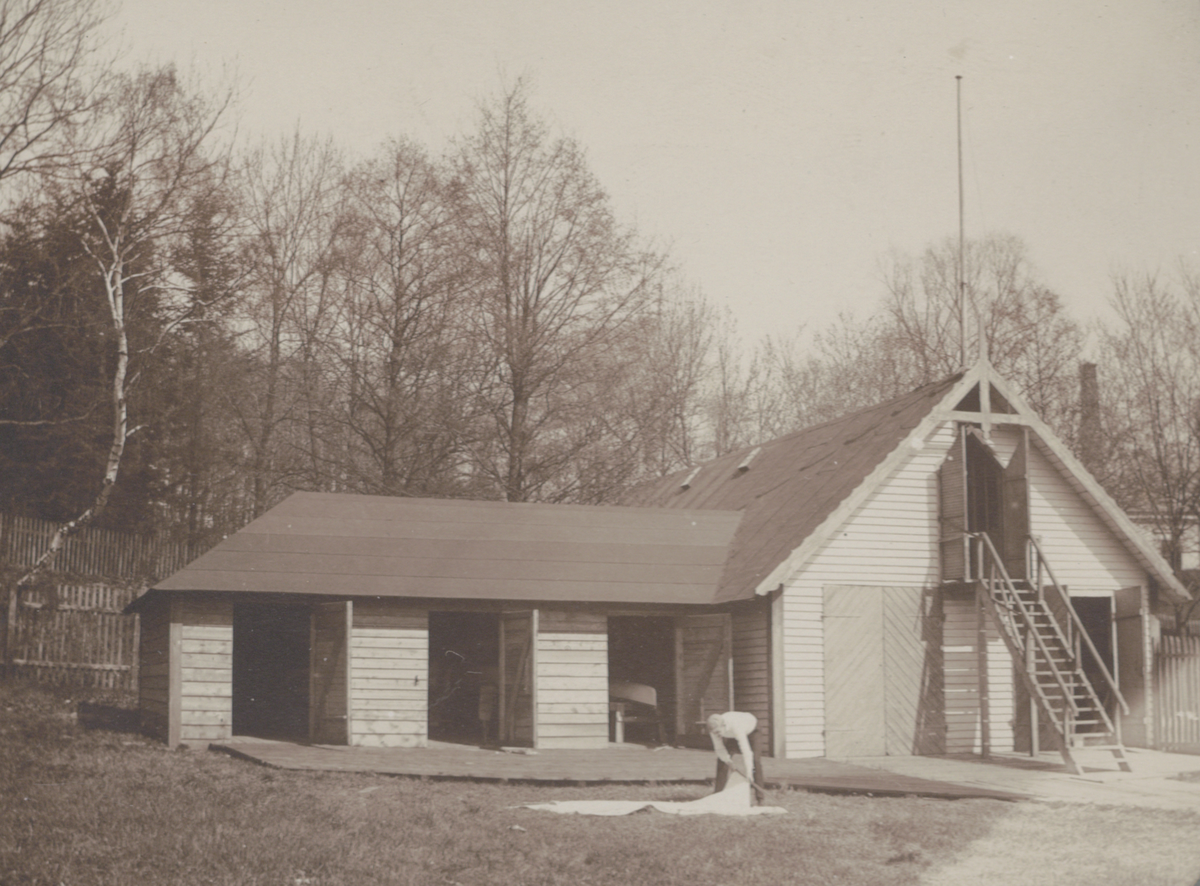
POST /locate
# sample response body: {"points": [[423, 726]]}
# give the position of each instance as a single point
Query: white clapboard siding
{"points": [[1085, 554], [572, 679], [205, 669], [890, 540], [389, 676]]}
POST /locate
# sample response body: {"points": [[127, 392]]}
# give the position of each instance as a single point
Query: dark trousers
{"points": [[731, 746]]}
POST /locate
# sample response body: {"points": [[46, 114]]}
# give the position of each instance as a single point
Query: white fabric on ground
{"points": [[734, 800]]}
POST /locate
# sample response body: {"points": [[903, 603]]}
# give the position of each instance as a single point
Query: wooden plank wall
{"points": [[389, 682], [154, 669], [1002, 695], [572, 679], [752, 663], [205, 668], [960, 653], [703, 660], [891, 541]]}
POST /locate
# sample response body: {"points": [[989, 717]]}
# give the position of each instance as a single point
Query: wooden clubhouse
{"points": [[935, 574]]}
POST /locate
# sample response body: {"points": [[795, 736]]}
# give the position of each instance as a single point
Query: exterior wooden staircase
{"points": [[1039, 626]]}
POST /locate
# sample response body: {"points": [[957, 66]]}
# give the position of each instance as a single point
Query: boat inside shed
{"points": [[641, 655]]}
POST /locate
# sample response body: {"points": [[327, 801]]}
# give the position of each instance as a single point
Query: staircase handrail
{"points": [[1108, 678], [997, 563]]}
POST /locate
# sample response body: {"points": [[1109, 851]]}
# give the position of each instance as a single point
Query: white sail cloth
{"points": [[734, 800]]}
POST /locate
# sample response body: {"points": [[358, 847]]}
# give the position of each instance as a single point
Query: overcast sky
{"points": [[780, 149]]}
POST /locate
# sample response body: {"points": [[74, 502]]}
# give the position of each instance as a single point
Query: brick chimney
{"points": [[1091, 435]]}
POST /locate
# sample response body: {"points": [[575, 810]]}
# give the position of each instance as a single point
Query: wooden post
{"points": [[775, 653], [985, 737], [1034, 724], [175, 672]]}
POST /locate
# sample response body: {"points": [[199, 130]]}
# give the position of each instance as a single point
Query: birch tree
{"points": [[131, 173]]}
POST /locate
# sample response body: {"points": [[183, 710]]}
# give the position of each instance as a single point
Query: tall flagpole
{"points": [[962, 286]]}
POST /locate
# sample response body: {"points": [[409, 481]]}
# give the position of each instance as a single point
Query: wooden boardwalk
{"points": [[618, 764]]}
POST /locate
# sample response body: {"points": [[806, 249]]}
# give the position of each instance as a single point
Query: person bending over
{"points": [[733, 727]]}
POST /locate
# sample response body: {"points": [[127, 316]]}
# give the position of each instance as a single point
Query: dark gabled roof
{"points": [[361, 545], [791, 485]]}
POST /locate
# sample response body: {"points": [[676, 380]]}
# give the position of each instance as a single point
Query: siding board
{"points": [[389, 682], [572, 679], [204, 675]]}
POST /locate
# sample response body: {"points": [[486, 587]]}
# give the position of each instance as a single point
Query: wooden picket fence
{"points": [[91, 552], [71, 629], [77, 635], [1177, 692]]}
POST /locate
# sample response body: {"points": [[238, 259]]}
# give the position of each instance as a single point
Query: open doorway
{"points": [[1095, 614], [270, 670], [464, 659], [641, 657]]}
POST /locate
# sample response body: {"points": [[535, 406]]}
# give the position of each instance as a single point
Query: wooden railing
{"points": [[1077, 631], [1037, 644], [1021, 631]]}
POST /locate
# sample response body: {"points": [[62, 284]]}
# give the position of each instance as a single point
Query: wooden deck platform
{"points": [[618, 764]]}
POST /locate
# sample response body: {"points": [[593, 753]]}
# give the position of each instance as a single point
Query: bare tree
{"points": [[736, 387], [1150, 378], [913, 339], [405, 360], [291, 191], [45, 84], [672, 368], [556, 282]]}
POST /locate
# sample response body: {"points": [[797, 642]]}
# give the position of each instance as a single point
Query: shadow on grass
{"points": [[110, 718]]}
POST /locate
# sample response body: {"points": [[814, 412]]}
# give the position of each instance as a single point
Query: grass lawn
{"points": [[94, 806]]}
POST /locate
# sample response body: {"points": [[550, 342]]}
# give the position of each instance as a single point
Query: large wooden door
{"points": [[854, 690], [884, 685], [703, 670], [518, 648], [329, 673], [1133, 663]]}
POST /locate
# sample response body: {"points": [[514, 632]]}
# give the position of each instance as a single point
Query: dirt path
{"points": [[1039, 844]]}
